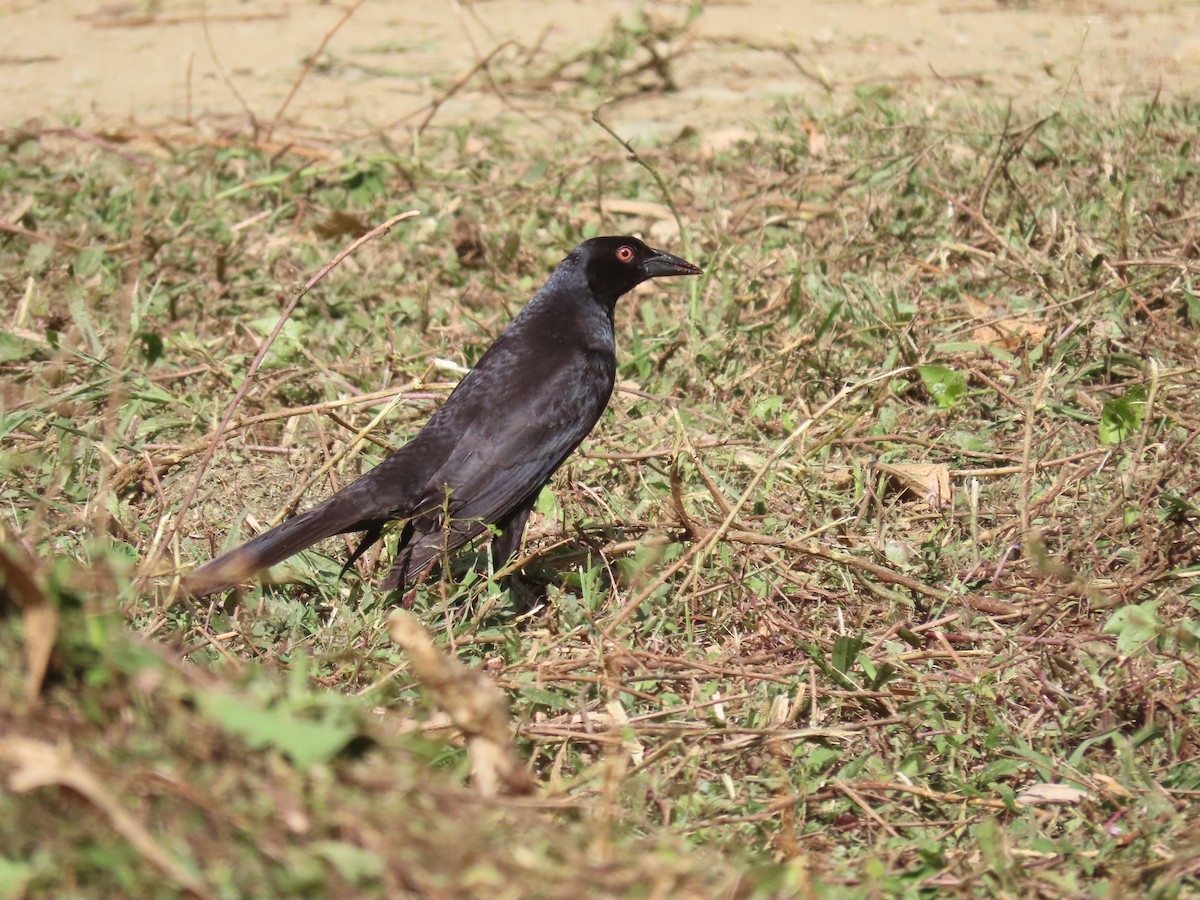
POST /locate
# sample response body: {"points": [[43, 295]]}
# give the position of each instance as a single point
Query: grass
{"points": [[799, 640]]}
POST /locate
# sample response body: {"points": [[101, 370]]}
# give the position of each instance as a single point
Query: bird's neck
{"points": [[568, 316]]}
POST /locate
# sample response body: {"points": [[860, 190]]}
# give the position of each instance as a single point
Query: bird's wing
{"points": [[503, 457]]}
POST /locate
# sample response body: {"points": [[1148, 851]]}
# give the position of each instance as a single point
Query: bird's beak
{"points": [[663, 263]]}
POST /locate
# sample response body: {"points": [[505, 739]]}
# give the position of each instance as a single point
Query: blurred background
{"points": [[700, 63]]}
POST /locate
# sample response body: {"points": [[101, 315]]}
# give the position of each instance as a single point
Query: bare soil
{"points": [[403, 64]]}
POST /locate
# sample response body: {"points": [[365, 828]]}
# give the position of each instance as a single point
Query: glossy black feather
{"points": [[484, 456]]}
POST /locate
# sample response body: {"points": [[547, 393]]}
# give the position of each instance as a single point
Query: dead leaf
{"points": [[929, 481], [990, 605], [1110, 788], [1009, 334], [338, 224], [629, 742], [816, 139], [719, 140], [468, 244], [1039, 794], [1002, 330]]}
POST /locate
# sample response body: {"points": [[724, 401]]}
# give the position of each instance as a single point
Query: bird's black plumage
{"points": [[483, 457]]}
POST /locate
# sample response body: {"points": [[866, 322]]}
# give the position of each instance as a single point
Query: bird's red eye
{"points": [[625, 254]]}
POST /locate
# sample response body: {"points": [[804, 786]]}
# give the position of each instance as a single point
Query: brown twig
{"points": [[177, 453], [886, 575], [1027, 466], [635, 157], [666, 453], [10, 228], [228, 81], [144, 21], [479, 56], [457, 85], [981, 220], [104, 144], [308, 66], [715, 535], [262, 353]]}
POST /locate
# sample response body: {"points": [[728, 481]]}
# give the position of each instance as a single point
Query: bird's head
{"points": [[616, 265]]}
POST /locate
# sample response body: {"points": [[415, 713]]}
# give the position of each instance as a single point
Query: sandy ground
{"points": [[110, 64]]}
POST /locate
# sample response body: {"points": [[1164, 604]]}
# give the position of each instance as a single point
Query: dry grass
{"points": [[799, 639]]}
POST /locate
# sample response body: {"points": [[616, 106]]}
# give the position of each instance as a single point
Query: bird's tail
{"points": [[271, 547]]}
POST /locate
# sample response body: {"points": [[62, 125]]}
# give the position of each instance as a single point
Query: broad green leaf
{"points": [[14, 877], [355, 864], [1191, 308], [944, 385], [845, 652], [1122, 416], [286, 346], [1134, 625], [543, 697], [547, 503], [304, 741], [14, 348], [88, 261]]}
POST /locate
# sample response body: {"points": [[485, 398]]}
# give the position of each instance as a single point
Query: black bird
{"points": [[483, 457]]}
